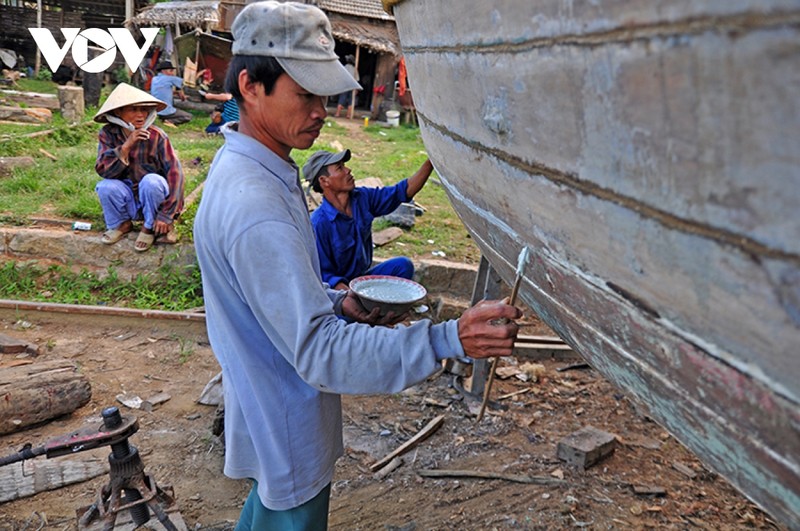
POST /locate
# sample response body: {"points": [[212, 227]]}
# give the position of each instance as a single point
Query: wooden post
{"points": [[352, 108], [38, 63]]}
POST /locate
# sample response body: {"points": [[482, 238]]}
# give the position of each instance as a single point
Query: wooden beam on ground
{"points": [[41, 391], [479, 474], [27, 114]]}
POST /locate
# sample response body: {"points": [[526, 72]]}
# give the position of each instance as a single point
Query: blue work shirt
{"points": [[161, 88], [344, 243]]}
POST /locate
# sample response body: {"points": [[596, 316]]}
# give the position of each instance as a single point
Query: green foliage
{"points": [[121, 75], [44, 74]]}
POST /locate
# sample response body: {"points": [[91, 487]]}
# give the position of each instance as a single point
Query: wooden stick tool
{"points": [[521, 261]]}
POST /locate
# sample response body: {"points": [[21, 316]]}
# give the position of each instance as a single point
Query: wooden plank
{"points": [[420, 436], [26, 478], [482, 474], [625, 258], [661, 102]]}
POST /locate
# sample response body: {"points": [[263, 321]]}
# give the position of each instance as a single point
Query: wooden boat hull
{"points": [[647, 155]]}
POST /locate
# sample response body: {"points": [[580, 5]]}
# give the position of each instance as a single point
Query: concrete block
{"points": [[586, 447]]}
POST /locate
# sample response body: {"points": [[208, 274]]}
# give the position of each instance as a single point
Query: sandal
{"points": [[143, 241], [170, 237], [114, 235]]}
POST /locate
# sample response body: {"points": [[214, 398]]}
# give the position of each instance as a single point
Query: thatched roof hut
{"points": [[208, 15]]}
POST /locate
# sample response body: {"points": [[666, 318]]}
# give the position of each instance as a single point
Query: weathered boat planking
{"points": [[647, 154]]}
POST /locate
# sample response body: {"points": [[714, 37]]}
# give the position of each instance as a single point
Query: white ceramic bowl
{"points": [[390, 294]]}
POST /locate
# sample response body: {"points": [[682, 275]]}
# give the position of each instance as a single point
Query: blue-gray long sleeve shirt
{"points": [[284, 354]]}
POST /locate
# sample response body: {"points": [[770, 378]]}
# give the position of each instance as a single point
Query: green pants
{"points": [[311, 516]]}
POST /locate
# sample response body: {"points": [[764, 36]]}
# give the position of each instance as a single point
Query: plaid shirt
{"points": [[154, 156]]}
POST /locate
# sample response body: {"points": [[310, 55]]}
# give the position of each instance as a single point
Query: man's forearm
{"points": [[418, 180]]}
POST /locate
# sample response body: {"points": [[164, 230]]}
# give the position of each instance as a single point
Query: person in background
{"points": [[142, 176], [343, 222], [272, 323], [346, 98], [227, 111], [163, 86]]}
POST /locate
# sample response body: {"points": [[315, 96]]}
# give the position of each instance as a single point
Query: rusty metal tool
{"points": [[522, 259], [130, 488]]}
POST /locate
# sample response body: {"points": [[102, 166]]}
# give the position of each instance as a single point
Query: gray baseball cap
{"points": [[319, 160], [299, 37]]}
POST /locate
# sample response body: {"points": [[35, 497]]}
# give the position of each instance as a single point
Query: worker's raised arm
{"points": [[418, 180]]}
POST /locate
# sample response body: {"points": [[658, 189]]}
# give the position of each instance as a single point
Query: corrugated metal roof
{"points": [[359, 8]]}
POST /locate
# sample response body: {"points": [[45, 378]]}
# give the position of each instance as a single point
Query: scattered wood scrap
{"points": [[393, 465], [12, 345], [41, 391], [48, 154], [649, 490], [26, 478], [421, 435], [533, 480], [684, 469]]}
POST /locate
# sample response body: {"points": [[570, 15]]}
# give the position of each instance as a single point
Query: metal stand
{"points": [[129, 487], [487, 285]]}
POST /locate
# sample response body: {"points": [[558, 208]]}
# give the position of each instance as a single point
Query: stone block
{"points": [[586, 447]]}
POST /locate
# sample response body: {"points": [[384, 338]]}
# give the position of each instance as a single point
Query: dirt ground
{"points": [[517, 437]]}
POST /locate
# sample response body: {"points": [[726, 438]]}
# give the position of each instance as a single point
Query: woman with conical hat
{"points": [[142, 176]]}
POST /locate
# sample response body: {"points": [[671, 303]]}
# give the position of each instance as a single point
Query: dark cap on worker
{"points": [[165, 65], [319, 160], [299, 37]]}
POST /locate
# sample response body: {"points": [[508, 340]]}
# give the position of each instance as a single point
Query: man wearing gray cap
{"points": [[272, 323]]}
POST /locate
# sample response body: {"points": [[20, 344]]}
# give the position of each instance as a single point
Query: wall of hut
{"points": [[15, 22]]}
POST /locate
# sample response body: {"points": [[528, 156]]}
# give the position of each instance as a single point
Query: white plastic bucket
{"points": [[393, 118]]}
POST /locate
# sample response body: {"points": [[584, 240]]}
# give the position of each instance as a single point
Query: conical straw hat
{"points": [[124, 95]]}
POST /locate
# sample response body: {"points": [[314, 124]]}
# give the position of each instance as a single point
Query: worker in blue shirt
{"points": [[162, 87], [343, 222]]}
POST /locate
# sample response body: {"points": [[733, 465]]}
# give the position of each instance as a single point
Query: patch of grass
{"points": [[37, 85], [171, 287], [65, 188]]}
